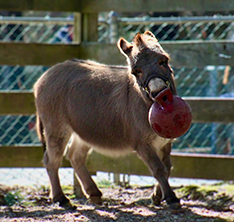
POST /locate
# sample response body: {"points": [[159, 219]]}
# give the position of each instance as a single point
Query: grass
{"points": [[104, 183], [218, 197], [13, 197]]}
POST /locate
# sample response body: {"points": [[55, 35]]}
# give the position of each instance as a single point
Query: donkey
{"points": [[105, 108]]}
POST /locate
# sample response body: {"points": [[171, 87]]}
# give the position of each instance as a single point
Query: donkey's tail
{"points": [[40, 132]]}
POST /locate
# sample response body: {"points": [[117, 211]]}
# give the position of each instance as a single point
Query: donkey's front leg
{"points": [[159, 171], [166, 160]]}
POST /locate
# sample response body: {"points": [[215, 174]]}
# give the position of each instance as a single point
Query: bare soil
{"points": [[206, 203]]}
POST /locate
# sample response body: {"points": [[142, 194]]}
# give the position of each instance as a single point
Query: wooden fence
{"points": [[183, 53]]}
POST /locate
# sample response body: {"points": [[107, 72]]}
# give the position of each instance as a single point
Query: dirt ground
{"points": [[204, 203]]}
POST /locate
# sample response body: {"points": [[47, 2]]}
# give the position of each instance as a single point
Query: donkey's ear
{"points": [[138, 40], [125, 47], [149, 33]]}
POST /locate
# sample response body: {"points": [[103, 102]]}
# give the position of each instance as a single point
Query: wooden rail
{"points": [[184, 165], [182, 53], [204, 109], [92, 6], [16, 103]]}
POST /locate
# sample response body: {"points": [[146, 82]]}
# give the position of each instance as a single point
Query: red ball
{"points": [[170, 116]]}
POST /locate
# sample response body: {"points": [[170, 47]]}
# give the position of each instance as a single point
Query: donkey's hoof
{"points": [[69, 206], [175, 206], [174, 203], [96, 200], [65, 203], [156, 200]]}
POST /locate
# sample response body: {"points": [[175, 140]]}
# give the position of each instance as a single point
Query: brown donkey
{"points": [[105, 108]]}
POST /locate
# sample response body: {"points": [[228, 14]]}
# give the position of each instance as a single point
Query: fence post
{"points": [[85, 30], [77, 28], [113, 38], [213, 78], [89, 27], [85, 27], [113, 27]]}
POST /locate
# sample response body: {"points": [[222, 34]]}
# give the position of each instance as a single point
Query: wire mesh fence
{"points": [[190, 82], [181, 28], [206, 81]]}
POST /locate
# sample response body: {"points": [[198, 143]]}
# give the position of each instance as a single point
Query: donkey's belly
{"points": [[110, 145], [106, 133], [113, 150]]}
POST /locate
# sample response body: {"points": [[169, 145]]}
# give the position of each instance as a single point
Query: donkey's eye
{"points": [[162, 62], [137, 72]]}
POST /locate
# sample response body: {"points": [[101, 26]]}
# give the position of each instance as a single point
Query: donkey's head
{"points": [[149, 63]]}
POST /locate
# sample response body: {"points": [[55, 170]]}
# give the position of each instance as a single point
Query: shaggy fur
{"points": [[105, 108]]}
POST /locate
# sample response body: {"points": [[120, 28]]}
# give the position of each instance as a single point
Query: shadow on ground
{"points": [[133, 204]]}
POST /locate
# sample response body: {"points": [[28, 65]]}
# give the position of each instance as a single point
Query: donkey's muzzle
{"points": [[155, 86]]}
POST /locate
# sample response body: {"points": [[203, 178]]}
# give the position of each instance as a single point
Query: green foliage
{"points": [[13, 197], [218, 191], [43, 188], [68, 190], [104, 183]]}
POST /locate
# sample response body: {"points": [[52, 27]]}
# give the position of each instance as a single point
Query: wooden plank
{"points": [[45, 54], [89, 27], [36, 54], [184, 165], [77, 33], [183, 53], [94, 6], [16, 103], [204, 109], [85, 28], [208, 109], [200, 53], [23, 156], [203, 166]]}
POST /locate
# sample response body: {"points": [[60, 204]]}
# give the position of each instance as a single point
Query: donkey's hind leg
{"points": [[56, 144], [77, 153]]}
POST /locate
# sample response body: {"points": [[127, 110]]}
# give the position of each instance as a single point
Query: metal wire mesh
{"points": [[207, 81], [182, 28], [36, 29]]}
